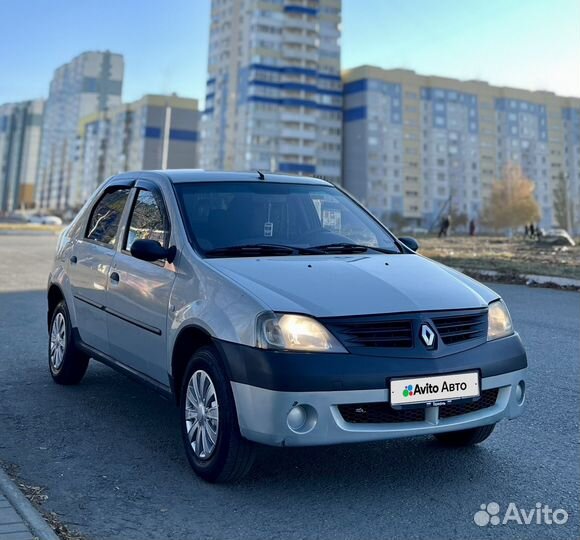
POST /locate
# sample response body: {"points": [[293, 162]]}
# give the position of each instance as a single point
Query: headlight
{"points": [[499, 321], [285, 331]]}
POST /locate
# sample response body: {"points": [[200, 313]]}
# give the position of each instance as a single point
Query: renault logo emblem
{"points": [[428, 336]]}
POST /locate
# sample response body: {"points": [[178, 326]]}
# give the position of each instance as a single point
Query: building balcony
{"points": [[301, 39], [309, 135], [299, 54], [296, 150], [302, 24], [307, 117]]}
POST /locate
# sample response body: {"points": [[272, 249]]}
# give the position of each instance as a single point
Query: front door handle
{"points": [[115, 277]]}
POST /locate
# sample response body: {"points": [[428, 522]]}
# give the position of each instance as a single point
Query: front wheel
{"points": [[214, 446], [67, 364], [465, 437]]}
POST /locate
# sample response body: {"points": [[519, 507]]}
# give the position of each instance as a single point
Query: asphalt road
{"points": [[109, 454]]}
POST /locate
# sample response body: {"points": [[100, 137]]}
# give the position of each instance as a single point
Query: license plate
{"points": [[434, 391]]}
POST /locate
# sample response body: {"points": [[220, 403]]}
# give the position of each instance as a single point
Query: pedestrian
{"points": [[532, 230], [471, 227], [526, 231], [445, 222]]}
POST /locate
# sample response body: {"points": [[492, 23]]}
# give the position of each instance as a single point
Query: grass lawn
{"points": [[513, 256], [30, 227]]}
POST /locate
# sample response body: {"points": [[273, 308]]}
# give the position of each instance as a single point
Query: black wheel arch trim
{"points": [[51, 287], [210, 340]]}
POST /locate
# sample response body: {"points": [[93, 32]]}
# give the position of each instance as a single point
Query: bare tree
{"points": [[561, 202], [512, 203], [458, 219], [394, 220]]}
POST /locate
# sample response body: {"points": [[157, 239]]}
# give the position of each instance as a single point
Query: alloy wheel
{"points": [[57, 341], [201, 414]]}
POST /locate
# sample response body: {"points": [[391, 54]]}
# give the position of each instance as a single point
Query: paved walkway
{"points": [[19, 520], [12, 526]]}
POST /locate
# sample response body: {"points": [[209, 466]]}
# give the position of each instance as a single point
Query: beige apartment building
{"points": [[91, 82], [154, 132], [417, 147], [20, 135]]}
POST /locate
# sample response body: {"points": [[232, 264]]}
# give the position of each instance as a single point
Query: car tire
{"points": [[213, 444], [465, 437], [67, 364]]}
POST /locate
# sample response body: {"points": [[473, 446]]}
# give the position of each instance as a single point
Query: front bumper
{"points": [[263, 413], [320, 372]]}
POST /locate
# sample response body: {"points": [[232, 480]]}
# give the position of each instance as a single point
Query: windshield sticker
{"points": [[269, 226]]}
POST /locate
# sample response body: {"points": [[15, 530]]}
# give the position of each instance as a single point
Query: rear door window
{"points": [[148, 220], [106, 216]]}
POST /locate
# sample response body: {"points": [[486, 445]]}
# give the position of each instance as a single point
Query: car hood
{"points": [[328, 286]]}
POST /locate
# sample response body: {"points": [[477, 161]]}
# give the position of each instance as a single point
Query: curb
{"points": [[553, 280], [28, 233], [525, 279], [31, 516]]}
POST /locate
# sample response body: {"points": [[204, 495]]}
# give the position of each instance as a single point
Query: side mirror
{"points": [[410, 242], [152, 250]]}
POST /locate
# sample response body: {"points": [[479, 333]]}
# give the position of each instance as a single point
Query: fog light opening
{"points": [[302, 418], [521, 392]]}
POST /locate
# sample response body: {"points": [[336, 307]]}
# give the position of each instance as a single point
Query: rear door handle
{"points": [[73, 259], [115, 277]]}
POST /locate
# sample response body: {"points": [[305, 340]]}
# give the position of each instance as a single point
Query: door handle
{"points": [[115, 277], [73, 259]]}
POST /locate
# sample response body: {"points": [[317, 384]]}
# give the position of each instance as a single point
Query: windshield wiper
{"points": [[270, 249], [345, 247]]}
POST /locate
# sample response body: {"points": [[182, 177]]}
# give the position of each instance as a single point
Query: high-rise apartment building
{"points": [[154, 132], [89, 83], [416, 147], [20, 132], [274, 97]]}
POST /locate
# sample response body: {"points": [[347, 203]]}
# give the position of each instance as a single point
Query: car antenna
{"points": [[261, 175]]}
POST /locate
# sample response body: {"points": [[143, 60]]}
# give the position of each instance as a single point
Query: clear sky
{"points": [[532, 44]]}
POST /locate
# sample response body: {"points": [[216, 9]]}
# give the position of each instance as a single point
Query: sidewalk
{"points": [[12, 527], [19, 520]]}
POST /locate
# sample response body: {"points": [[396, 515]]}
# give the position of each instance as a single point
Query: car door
{"points": [[89, 265], [138, 296]]}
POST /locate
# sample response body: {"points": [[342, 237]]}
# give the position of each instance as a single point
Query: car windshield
{"points": [[229, 219]]}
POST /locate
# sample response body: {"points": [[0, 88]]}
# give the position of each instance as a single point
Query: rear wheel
{"points": [[66, 362], [465, 437], [209, 426]]}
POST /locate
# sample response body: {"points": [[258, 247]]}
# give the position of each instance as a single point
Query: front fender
{"points": [[203, 298]]}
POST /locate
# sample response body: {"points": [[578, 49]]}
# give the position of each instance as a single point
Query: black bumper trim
{"points": [[324, 372]]}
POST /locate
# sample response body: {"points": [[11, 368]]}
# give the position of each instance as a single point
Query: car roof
{"points": [[180, 176]]}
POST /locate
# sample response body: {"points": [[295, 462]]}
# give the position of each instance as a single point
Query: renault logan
{"points": [[277, 310]]}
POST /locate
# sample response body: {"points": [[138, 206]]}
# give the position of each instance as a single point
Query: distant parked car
{"points": [[13, 218], [557, 237], [277, 310], [44, 220]]}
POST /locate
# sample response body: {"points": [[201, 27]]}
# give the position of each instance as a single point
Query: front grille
{"points": [[400, 331], [383, 413], [458, 328], [379, 413], [362, 332], [486, 400]]}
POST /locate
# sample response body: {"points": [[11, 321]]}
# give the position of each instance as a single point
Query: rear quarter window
{"points": [[106, 215]]}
